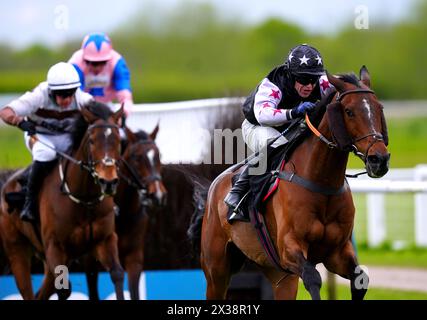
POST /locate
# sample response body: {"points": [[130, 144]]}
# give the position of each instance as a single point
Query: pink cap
{"points": [[97, 47]]}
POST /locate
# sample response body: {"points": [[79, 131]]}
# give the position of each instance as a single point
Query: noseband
{"points": [[106, 161]]}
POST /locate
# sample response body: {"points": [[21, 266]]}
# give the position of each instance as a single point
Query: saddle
{"points": [[263, 186]]}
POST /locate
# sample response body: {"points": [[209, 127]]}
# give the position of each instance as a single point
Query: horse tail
{"points": [[194, 231]]}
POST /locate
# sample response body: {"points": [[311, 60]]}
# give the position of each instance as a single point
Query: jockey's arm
{"points": [[125, 97], [8, 115], [121, 79], [27, 104]]}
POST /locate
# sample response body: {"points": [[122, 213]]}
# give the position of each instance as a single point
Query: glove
{"points": [[303, 108], [28, 126]]}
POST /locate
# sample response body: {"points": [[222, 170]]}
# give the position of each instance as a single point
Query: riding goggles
{"points": [[306, 79], [64, 93]]}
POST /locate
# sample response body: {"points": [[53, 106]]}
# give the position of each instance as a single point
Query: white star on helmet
{"points": [[304, 60], [319, 60]]}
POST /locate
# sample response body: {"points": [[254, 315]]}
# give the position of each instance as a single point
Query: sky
{"points": [[53, 22]]}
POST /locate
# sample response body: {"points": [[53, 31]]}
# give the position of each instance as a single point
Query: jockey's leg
{"points": [[35, 180], [236, 196], [256, 137], [44, 159]]}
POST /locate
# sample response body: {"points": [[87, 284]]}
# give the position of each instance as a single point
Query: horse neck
{"points": [[321, 164], [79, 179], [126, 194]]}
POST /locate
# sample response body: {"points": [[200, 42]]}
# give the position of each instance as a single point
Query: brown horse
{"points": [[140, 188], [76, 208], [306, 226]]}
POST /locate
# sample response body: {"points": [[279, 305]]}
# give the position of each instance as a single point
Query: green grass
{"points": [[399, 211], [409, 258], [343, 293], [13, 152]]}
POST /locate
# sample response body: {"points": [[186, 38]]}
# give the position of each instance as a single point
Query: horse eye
{"points": [[349, 112]]}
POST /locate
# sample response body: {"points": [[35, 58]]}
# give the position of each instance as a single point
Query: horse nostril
{"points": [[374, 159]]}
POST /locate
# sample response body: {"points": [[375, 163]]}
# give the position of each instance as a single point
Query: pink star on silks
{"points": [[325, 84], [266, 105], [276, 111], [274, 94]]}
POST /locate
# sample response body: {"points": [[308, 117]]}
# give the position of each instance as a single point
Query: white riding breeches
{"points": [[257, 137], [43, 153]]}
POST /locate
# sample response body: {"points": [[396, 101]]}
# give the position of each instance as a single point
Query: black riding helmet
{"points": [[304, 61]]}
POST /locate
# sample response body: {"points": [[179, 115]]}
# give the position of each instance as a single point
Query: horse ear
{"points": [[130, 135], [336, 82], [118, 114], [337, 126], [364, 76], [87, 115], [154, 133]]}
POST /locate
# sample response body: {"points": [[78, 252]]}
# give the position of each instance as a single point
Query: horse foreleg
{"points": [[285, 285], [107, 254], [296, 262], [48, 285], [344, 263], [133, 264], [91, 272]]}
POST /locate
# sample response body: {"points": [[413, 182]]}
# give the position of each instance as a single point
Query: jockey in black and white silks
{"points": [[286, 93]]}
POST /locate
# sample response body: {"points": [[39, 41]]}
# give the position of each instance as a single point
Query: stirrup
{"points": [[237, 214]]}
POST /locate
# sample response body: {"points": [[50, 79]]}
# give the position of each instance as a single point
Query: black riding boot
{"points": [[235, 197], [35, 179]]}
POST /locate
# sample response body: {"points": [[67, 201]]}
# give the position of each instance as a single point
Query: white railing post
{"points": [[376, 219], [420, 174]]}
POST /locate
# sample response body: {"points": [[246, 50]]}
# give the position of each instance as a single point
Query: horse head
{"points": [[142, 159], [102, 141], [357, 123]]}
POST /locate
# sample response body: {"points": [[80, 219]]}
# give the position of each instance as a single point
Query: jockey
{"points": [[103, 71], [286, 93], [48, 111]]}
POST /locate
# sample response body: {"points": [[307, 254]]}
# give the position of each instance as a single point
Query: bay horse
{"points": [[76, 208], [140, 190], [306, 226]]}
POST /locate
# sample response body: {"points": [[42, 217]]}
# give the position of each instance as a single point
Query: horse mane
{"points": [[141, 135], [98, 109], [350, 78]]}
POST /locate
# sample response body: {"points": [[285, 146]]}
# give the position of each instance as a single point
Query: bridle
{"points": [[135, 180], [88, 166], [377, 136]]}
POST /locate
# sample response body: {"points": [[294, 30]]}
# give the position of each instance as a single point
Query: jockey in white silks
{"points": [[47, 110]]}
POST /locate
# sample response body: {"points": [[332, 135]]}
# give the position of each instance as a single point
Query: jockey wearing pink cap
{"points": [[103, 71]]}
